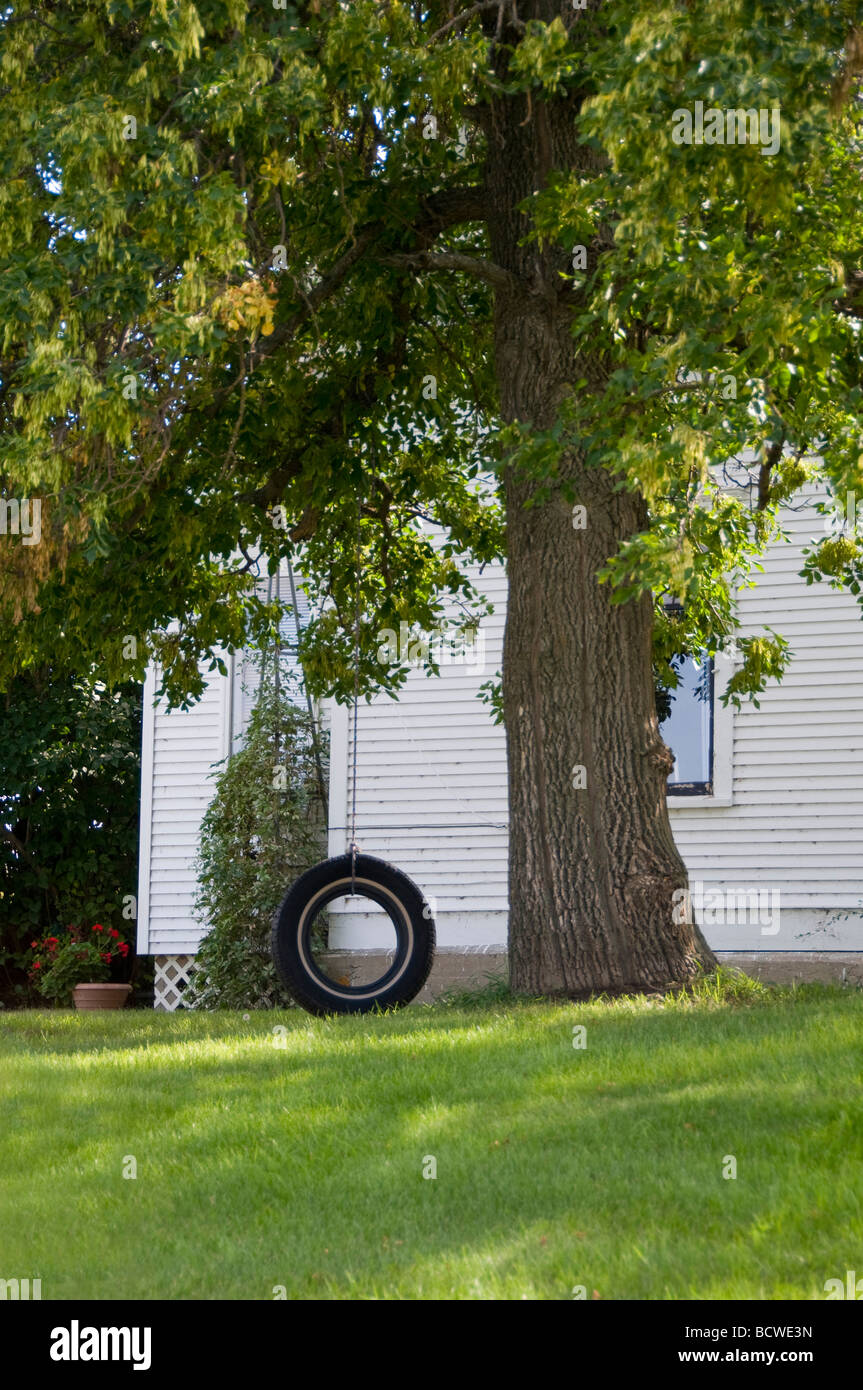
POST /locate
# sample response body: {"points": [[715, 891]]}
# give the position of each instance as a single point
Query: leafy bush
{"points": [[69, 788], [265, 825]]}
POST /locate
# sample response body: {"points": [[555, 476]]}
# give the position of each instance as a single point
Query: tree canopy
{"points": [[247, 289]]}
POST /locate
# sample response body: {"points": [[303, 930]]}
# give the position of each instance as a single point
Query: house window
{"points": [[688, 729]]}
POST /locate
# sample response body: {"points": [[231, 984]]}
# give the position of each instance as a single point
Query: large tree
{"points": [[307, 273]]}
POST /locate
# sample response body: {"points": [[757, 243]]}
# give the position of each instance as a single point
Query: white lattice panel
{"points": [[172, 977]]}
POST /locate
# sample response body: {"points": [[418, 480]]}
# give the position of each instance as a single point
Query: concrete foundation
{"points": [[784, 967], [456, 969]]}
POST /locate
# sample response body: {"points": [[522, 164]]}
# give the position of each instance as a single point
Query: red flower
{"points": [[123, 948], [36, 965], [106, 955], [114, 933], [98, 928], [34, 945]]}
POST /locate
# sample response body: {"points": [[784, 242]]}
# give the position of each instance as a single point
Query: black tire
{"points": [[407, 909]]}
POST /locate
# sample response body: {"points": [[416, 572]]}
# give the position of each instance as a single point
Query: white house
{"points": [[767, 806]]}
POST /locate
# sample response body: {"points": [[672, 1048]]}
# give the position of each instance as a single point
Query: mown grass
{"points": [[302, 1166]]}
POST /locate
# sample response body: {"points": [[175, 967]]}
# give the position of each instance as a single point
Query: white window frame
{"points": [[723, 749]]}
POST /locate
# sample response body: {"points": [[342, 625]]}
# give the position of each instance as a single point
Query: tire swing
{"points": [[357, 875]]}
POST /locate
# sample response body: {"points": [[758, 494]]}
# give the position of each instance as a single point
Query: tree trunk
{"points": [[592, 862]]}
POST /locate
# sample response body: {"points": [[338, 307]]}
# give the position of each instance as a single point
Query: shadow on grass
{"points": [[545, 1154]]}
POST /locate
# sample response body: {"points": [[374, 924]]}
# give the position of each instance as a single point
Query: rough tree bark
{"points": [[592, 870]]}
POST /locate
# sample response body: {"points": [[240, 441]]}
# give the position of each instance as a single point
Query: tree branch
{"points": [[438, 211], [477, 266], [774, 454], [463, 18], [851, 68], [852, 303], [17, 845]]}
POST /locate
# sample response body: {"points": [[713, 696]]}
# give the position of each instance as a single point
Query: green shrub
{"points": [[265, 825], [69, 800]]}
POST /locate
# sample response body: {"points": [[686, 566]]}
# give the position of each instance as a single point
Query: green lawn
{"points": [[302, 1166]]}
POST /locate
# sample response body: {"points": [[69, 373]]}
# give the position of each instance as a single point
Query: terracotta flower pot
{"points": [[101, 996]]}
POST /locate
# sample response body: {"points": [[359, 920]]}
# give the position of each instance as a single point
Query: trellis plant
{"points": [[264, 826]]}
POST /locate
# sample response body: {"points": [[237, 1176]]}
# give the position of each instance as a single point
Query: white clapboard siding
{"points": [[431, 785], [432, 790], [180, 750], [795, 825]]}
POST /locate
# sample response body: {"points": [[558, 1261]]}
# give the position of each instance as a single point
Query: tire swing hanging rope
{"points": [[357, 875]]}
